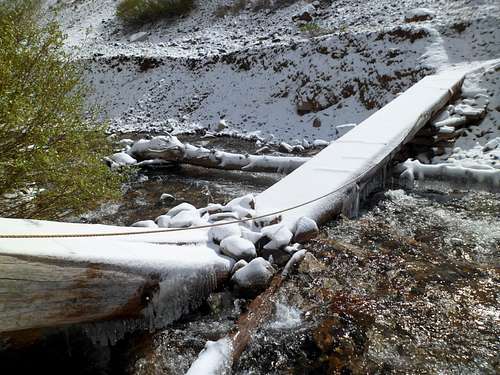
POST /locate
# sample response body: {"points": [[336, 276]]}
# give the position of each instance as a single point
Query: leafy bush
{"points": [[142, 11], [50, 150]]}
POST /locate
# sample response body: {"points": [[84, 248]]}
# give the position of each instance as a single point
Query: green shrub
{"points": [[142, 11], [50, 150]]}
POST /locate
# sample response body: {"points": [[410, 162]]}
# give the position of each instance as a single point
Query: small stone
{"points": [[317, 123], [305, 230], [238, 248], [285, 148]]}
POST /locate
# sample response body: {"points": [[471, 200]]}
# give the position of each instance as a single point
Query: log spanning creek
{"points": [[410, 285]]}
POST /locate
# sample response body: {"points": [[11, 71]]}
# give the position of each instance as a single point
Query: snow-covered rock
{"points": [[214, 359], [250, 235], [185, 218], [254, 277], [138, 37], [165, 197], [218, 233], [181, 207], [238, 265], [122, 158], [278, 234], [305, 229], [145, 224], [163, 221], [238, 248], [419, 14]]}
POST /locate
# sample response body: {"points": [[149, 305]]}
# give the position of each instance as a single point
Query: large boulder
{"points": [[181, 207]]}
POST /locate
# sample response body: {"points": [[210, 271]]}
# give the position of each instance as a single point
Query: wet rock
{"points": [[254, 277], [217, 234], [279, 236], [305, 230], [275, 256], [145, 224], [311, 265], [238, 248]]}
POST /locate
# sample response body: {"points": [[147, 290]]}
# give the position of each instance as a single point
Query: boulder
{"points": [[217, 234], [122, 158], [181, 207], [251, 236], [163, 221], [238, 265], [254, 277], [185, 219], [279, 236], [238, 248], [305, 230]]}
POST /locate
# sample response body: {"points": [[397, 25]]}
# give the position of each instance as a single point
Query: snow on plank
{"points": [[352, 161], [50, 282]]}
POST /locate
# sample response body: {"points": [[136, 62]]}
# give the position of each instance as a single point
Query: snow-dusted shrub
{"points": [[142, 11], [50, 153]]}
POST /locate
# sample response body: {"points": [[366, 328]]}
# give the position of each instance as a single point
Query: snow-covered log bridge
{"points": [[51, 282], [353, 165]]}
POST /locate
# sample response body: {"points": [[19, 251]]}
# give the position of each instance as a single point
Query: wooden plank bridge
{"points": [[51, 282]]}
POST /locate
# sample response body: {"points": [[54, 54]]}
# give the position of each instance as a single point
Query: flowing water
{"points": [[410, 286]]}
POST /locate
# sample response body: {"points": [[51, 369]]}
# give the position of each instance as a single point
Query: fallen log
{"points": [[169, 149]]}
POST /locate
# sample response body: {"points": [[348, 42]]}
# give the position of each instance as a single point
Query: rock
{"points": [[138, 37], [311, 265], [181, 207], [217, 234], [491, 145], [344, 129], [298, 149], [254, 277], [246, 201], [145, 224], [185, 219], [125, 142], [419, 14], [227, 216], [238, 265], [470, 112], [211, 209], [285, 148], [305, 229], [167, 198], [251, 236], [122, 158], [238, 248], [294, 260], [275, 256], [317, 123], [263, 150], [221, 125], [278, 234], [163, 221], [305, 14], [318, 143]]}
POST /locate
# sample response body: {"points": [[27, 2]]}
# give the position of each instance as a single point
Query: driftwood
{"points": [[170, 149]]}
